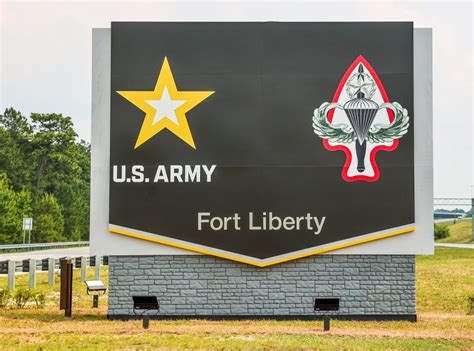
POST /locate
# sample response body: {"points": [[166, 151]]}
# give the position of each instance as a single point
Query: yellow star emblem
{"points": [[165, 107]]}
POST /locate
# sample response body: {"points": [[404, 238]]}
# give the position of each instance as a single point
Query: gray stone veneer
{"points": [[367, 285]]}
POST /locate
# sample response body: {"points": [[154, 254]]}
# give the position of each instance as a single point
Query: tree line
{"points": [[456, 210], [44, 174]]}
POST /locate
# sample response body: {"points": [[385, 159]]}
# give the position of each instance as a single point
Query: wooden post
{"points": [[97, 267], [146, 322], [65, 299], [51, 271], [32, 274], [95, 301], [326, 322], [83, 268], [63, 282], [11, 275]]}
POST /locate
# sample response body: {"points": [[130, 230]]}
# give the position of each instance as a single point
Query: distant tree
{"points": [[441, 231], [456, 210], [72, 189], [54, 135], [7, 212], [16, 124], [15, 149], [40, 155], [14, 206], [48, 225], [469, 213]]}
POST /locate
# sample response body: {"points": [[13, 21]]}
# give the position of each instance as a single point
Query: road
{"points": [[461, 246], [40, 254], [441, 220]]}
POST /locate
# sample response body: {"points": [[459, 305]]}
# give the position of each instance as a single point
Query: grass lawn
{"points": [[443, 281], [459, 232]]}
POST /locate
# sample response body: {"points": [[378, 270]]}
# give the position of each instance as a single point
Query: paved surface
{"points": [[461, 246], [441, 220], [40, 254]]}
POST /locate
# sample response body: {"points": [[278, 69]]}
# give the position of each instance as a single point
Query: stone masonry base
{"points": [[369, 287]]}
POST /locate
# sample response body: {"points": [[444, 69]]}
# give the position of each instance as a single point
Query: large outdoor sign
{"points": [[261, 142]]}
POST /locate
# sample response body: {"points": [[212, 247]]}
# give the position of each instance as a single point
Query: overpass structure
{"points": [[453, 201]]}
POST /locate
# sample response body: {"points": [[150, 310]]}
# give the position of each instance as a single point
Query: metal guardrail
{"points": [[51, 265], [43, 264], [42, 245]]}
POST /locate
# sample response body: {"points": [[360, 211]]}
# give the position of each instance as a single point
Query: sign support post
{"points": [[27, 226], [472, 211], [65, 299]]}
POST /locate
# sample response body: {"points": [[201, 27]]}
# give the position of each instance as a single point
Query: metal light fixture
{"points": [[95, 288], [144, 304]]}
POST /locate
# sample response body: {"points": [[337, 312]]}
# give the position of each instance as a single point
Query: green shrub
{"points": [[470, 302], [40, 298], [5, 296], [22, 296], [441, 231]]}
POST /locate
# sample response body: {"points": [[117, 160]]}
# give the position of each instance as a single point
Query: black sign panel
{"points": [[261, 142]]}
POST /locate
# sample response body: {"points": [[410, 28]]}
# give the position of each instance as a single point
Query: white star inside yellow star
{"points": [[165, 107]]}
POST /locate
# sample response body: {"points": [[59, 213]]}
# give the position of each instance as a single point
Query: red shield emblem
{"points": [[360, 121]]}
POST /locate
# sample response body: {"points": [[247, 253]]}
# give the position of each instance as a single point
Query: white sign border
{"points": [[103, 242]]}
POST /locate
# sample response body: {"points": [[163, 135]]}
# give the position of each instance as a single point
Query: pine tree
{"points": [[48, 223]]}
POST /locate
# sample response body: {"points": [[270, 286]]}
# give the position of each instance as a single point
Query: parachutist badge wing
{"points": [[339, 133], [385, 133]]}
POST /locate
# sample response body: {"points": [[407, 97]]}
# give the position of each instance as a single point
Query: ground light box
{"points": [[263, 142]]}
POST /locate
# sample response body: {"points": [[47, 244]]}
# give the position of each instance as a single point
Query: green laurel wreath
{"points": [[384, 133], [337, 133]]}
